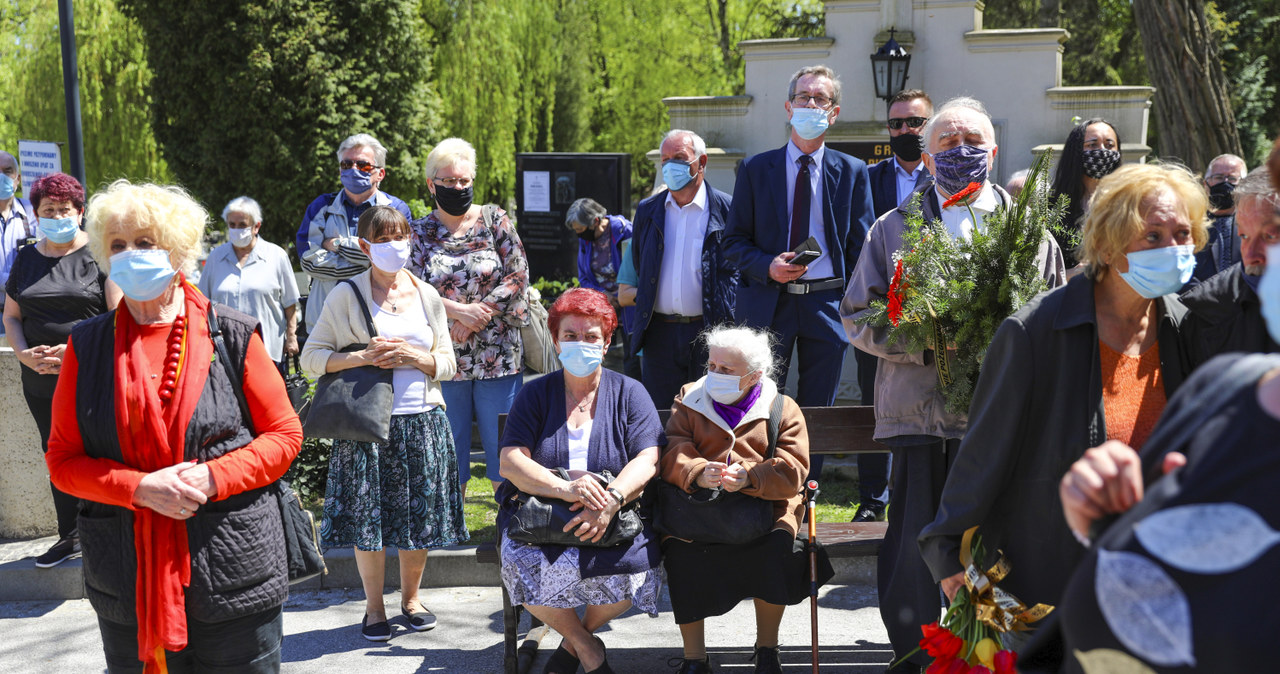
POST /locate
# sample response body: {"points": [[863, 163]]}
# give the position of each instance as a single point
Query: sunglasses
{"points": [[365, 166], [896, 123]]}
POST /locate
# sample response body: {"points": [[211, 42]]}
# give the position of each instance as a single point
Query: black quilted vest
{"points": [[236, 543]]}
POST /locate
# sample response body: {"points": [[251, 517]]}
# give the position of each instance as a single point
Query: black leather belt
{"points": [[676, 318], [804, 288]]}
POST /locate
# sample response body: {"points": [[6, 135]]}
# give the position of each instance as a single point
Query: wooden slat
{"points": [[852, 539]]}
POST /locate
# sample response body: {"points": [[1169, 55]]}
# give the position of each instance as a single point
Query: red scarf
{"points": [[153, 436]]}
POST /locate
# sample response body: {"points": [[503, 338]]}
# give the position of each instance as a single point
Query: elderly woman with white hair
{"points": [[253, 275], [718, 439], [184, 561], [472, 255]]}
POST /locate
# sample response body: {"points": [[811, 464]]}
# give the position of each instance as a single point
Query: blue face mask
{"points": [[1160, 271], [580, 359], [357, 181], [1269, 293], [7, 187], [676, 174], [142, 275], [59, 230], [809, 123]]}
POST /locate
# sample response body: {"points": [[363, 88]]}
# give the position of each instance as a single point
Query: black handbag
{"points": [[540, 520], [352, 404], [296, 384], [716, 515], [301, 535]]}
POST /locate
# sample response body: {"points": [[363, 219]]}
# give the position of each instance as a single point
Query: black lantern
{"points": [[889, 68]]}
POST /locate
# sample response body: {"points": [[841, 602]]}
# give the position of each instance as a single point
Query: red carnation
{"points": [[962, 195], [896, 288]]}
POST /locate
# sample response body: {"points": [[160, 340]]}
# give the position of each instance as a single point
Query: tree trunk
{"points": [[1192, 104]]}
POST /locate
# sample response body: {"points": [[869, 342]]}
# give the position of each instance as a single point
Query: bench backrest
{"points": [[832, 430]]}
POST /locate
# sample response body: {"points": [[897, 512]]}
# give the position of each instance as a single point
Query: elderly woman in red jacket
{"points": [[184, 556]]}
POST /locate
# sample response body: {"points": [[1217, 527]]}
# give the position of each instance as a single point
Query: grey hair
{"points": [[699, 145], [1208, 167], [821, 70], [755, 346], [965, 102], [243, 205], [1256, 184], [364, 140], [585, 212]]}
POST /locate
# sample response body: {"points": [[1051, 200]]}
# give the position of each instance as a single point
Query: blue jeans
{"points": [[482, 400], [246, 645]]}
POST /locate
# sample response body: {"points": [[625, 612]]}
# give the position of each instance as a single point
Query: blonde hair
{"points": [[167, 211], [450, 152], [1117, 212]]}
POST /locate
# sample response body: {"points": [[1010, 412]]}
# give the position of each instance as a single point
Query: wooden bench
{"points": [[832, 430]]}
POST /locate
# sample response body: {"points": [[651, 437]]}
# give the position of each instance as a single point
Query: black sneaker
{"points": [[869, 513], [379, 631], [421, 620], [767, 662], [64, 549], [688, 666]]}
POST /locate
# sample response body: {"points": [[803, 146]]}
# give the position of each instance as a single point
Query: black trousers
{"points": [[908, 596], [674, 355], [64, 505], [247, 645], [873, 469]]}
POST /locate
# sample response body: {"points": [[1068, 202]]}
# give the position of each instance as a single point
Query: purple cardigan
{"points": [[625, 424]]}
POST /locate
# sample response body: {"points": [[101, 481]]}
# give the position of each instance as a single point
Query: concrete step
{"points": [[20, 580]]}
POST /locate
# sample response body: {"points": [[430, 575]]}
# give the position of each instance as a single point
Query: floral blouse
{"points": [[486, 264]]}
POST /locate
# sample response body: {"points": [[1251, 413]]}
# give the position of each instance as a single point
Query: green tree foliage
{"points": [[1250, 37], [114, 76], [253, 96]]}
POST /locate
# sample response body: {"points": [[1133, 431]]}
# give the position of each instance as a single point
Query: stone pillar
{"points": [[26, 507]]}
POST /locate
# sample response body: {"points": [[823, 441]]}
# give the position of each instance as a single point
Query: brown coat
{"points": [[697, 434]]}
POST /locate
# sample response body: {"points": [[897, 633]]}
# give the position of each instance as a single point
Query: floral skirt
{"points": [[530, 578], [403, 493]]}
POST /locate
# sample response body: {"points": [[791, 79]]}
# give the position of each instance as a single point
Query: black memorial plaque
{"points": [[870, 151], [546, 184]]}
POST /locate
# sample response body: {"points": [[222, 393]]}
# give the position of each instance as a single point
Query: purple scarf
{"points": [[733, 412]]}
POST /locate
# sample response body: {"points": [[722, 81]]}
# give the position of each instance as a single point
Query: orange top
{"points": [[1132, 393]]}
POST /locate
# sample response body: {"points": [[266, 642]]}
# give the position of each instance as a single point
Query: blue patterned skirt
{"points": [[404, 493], [530, 578]]}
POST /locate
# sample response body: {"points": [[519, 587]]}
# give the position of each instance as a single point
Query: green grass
{"points": [[836, 501]]}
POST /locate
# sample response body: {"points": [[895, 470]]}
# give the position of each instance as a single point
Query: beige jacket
{"points": [[342, 323], [696, 434]]}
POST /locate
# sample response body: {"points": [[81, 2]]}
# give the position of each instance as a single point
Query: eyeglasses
{"points": [[361, 164], [1216, 178], [455, 183], [896, 123], [818, 101]]}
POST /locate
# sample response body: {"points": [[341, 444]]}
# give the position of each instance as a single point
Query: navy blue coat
{"points": [[719, 277], [758, 225], [884, 185]]}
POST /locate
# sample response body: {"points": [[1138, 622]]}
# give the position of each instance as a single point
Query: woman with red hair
{"points": [[583, 418], [52, 286]]}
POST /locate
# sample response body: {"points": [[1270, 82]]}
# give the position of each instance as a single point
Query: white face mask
{"points": [[390, 256], [724, 388], [240, 237]]}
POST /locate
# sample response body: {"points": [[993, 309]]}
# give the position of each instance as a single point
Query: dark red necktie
{"points": [[800, 204]]}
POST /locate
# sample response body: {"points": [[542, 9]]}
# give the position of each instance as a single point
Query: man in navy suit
{"points": [[782, 198], [892, 181], [684, 284]]}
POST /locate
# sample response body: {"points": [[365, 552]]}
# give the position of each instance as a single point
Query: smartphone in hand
{"points": [[806, 253]]}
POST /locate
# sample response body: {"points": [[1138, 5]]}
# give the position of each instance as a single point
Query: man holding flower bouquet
{"points": [[912, 414]]}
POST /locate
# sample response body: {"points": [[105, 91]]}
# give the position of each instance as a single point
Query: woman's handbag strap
{"points": [[368, 317], [775, 420]]}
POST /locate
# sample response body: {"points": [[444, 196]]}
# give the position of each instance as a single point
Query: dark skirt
{"points": [[707, 579]]}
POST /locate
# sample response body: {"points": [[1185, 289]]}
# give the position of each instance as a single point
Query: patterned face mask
{"points": [[1101, 162]]}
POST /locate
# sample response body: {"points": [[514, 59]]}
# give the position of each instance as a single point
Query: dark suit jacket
{"points": [[719, 278], [1225, 316], [758, 224], [884, 185]]}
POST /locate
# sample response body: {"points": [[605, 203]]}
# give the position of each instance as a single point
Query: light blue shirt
{"points": [[821, 268], [906, 179], [262, 288]]}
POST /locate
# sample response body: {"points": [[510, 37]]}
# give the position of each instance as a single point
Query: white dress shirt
{"points": [[959, 222], [263, 288], [821, 268], [680, 277]]}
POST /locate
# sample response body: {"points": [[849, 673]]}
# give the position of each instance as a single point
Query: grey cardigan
{"points": [[1036, 409]]}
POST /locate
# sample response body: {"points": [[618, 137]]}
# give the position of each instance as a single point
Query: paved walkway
{"points": [[322, 635]]}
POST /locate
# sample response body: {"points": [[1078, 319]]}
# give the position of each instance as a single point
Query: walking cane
{"points": [[811, 496]]}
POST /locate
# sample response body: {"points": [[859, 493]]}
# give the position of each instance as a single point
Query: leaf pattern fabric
{"points": [[1208, 538], [484, 264], [1144, 608]]}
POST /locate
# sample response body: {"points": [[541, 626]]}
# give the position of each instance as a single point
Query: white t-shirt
{"points": [[579, 442], [408, 383]]}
